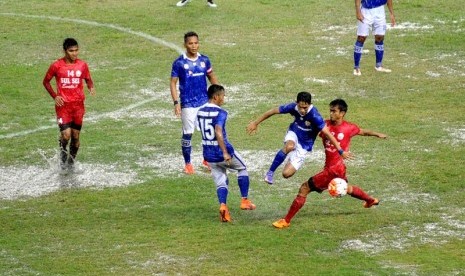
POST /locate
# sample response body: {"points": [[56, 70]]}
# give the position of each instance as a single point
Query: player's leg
{"points": [[76, 125], [358, 50], [295, 161], [243, 180], [379, 51], [74, 145], [316, 183], [363, 29], [65, 136], [299, 200], [297, 204], [64, 124], [219, 175], [289, 145], [379, 31], [188, 126], [357, 192], [289, 169]]}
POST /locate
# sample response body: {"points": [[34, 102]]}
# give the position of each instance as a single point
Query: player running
{"points": [[192, 70], [300, 135], [70, 74], [334, 164], [219, 153]]}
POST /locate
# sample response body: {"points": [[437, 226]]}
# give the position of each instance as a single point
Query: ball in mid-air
{"points": [[337, 187]]}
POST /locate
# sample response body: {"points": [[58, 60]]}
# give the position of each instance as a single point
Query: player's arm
{"points": [[358, 12], [46, 82], [367, 132], [89, 82], [221, 144], [391, 13], [344, 154], [252, 127], [174, 96], [212, 78], [90, 85]]}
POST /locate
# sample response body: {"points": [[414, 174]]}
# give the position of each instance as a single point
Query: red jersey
{"points": [[343, 133], [69, 79]]}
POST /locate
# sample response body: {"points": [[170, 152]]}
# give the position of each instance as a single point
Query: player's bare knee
{"points": [[65, 137], [379, 38], [304, 189], [349, 189], [361, 39], [288, 172], [288, 147]]}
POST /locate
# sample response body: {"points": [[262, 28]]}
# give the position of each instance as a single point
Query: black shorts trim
{"points": [[312, 187], [70, 125]]}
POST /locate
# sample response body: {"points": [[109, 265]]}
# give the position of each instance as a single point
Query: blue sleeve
{"points": [[208, 64], [287, 108], [318, 120], [175, 69], [221, 119]]}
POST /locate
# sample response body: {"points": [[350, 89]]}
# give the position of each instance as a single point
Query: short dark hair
{"points": [[304, 97], [69, 42], [340, 104], [189, 34], [214, 89]]}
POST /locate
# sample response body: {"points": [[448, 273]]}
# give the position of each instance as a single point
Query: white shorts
{"points": [[374, 19], [299, 154], [188, 118], [219, 170]]}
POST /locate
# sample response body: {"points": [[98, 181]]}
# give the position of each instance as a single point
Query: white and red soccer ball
{"points": [[337, 187]]}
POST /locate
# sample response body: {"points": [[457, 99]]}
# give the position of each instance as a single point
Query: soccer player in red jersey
{"points": [[70, 74], [343, 131]]}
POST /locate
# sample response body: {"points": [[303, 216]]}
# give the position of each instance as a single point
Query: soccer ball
{"points": [[337, 187]]}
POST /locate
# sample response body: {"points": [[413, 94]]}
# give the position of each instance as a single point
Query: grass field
{"points": [[129, 209]]}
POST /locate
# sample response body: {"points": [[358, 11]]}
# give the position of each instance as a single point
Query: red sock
{"points": [[298, 202], [360, 194]]}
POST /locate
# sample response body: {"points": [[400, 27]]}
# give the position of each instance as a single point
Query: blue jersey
{"points": [[371, 4], [306, 127], [192, 75], [209, 116]]}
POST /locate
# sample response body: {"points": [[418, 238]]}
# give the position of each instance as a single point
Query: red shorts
{"points": [[322, 179], [71, 114]]}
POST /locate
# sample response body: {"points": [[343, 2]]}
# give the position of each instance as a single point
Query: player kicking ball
{"points": [[219, 153], [300, 135], [334, 164]]}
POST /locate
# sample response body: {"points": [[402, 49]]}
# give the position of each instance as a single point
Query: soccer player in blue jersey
{"points": [[300, 135], [219, 153], [192, 70], [371, 14]]}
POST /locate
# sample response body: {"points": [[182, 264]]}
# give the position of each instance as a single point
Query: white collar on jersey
{"points": [[185, 57], [297, 109]]}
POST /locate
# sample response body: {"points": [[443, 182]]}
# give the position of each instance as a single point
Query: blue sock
{"points": [[358, 48], [186, 147], [243, 182], [222, 194], [379, 51], [278, 160]]}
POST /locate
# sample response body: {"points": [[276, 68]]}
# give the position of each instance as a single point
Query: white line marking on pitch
{"points": [[97, 24]]}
